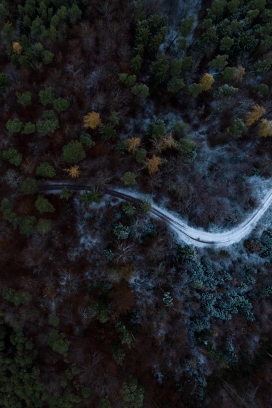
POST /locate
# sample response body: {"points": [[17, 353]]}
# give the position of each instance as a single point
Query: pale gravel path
{"points": [[189, 235]]}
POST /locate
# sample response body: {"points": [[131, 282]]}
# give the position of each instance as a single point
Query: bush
{"points": [[12, 155], [43, 205], [29, 186], [129, 178], [73, 152]]}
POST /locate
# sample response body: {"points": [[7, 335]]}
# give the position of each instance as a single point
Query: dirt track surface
{"points": [[189, 235]]}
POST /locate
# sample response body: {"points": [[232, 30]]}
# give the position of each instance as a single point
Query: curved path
{"points": [[189, 235]]}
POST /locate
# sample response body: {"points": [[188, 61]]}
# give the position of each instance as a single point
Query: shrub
{"points": [[73, 152], [46, 170], [12, 155], [43, 205], [14, 126], [129, 178], [24, 99], [29, 186]]}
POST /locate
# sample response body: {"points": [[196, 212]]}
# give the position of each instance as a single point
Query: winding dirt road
{"points": [[189, 235]]}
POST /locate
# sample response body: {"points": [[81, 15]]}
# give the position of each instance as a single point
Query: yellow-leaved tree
{"points": [[206, 82], [153, 164], [133, 143], [252, 117], [17, 48], [239, 73], [74, 171], [92, 120], [265, 128]]}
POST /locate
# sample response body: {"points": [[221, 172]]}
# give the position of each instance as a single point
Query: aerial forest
{"points": [[116, 115]]}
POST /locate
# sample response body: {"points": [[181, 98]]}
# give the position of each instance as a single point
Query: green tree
{"points": [[226, 44], [129, 178], [136, 64], [262, 89], [43, 205], [237, 128], [49, 124], [217, 8], [132, 394], [24, 99], [66, 194], [29, 128], [122, 147], [140, 90], [228, 74], [140, 155], [27, 224], [46, 170], [14, 126], [53, 320], [225, 90], [186, 63], [73, 152], [37, 27], [86, 139], [186, 26], [127, 80], [47, 57], [128, 208], [43, 226], [121, 231], [61, 104], [29, 186], [145, 206], [157, 129], [58, 342], [105, 403], [114, 118], [175, 85], [12, 155], [195, 90], [160, 68], [219, 62], [108, 132], [46, 96]]}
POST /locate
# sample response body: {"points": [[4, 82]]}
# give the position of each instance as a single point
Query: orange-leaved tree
{"points": [[239, 73], [252, 117], [168, 142], [74, 171], [206, 82], [92, 120], [265, 128], [133, 143], [153, 164]]}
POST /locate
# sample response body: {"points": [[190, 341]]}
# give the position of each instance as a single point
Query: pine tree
{"points": [[252, 117], [73, 152], [46, 170], [43, 205], [265, 128], [129, 178]]}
